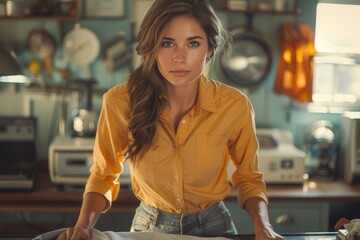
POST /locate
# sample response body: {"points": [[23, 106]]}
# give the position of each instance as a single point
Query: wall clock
{"points": [[81, 47]]}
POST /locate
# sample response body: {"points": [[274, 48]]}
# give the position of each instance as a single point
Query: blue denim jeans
{"points": [[213, 221]]}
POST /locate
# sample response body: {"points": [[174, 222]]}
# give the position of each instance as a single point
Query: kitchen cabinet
{"points": [[286, 217]]}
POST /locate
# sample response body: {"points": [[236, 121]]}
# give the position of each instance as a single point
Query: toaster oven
{"points": [[279, 160], [70, 159]]}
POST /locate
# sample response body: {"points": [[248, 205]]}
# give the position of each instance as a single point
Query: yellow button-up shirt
{"points": [[186, 171]]}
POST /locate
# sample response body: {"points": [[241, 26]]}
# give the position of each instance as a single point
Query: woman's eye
{"points": [[194, 44], [166, 44]]}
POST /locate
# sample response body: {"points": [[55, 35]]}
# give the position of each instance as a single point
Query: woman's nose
{"points": [[179, 56]]}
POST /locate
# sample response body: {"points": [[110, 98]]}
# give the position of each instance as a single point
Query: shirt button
{"points": [[183, 121]]}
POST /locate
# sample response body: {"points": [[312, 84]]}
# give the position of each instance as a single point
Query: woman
{"points": [[178, 129]]}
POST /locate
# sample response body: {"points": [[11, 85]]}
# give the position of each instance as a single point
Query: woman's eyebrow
{"points": [[188, 39]]}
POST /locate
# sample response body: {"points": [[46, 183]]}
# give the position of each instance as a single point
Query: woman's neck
{"points": [[180, 102]]}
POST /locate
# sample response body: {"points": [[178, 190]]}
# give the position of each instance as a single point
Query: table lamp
{"points": [[10, 69]]}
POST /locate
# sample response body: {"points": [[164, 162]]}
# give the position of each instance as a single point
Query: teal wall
{"points": [[271, 109]]}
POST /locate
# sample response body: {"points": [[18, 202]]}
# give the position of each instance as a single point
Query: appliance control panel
{"points": [[17, 129]]}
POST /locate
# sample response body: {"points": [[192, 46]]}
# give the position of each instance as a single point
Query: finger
{"points": [[69, 232], [77, 234], [62, 236]]}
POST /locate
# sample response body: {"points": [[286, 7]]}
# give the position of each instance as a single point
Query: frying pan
{"points": [[250, 61]]}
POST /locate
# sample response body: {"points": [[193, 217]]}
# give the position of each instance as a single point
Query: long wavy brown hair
{"points": [[147, 88]]}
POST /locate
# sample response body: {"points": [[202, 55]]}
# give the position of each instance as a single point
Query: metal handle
{"points": [[284, 219]]}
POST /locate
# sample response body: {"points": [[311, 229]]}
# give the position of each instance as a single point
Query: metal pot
{"points": [[250, 61]]}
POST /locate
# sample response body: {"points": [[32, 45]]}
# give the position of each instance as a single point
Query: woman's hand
{"points": [[266, 232], [91, 208], [76, 233], [257, 209]]}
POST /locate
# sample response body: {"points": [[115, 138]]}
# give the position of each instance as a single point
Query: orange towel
{"points": [[295, 70]]}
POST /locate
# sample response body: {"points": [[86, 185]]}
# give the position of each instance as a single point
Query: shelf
{"points": [[50, 17], [251, 10], [258, 11]]}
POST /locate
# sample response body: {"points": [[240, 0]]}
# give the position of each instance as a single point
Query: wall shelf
{"points": [[50, 17], [251, 9]]}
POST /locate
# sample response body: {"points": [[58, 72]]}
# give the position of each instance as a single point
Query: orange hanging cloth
{"points": [[308, 50], [286, 65], [295, 71]]}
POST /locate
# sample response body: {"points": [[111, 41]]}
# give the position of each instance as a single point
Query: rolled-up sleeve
{"points": [[110, 141], [244, 154]]}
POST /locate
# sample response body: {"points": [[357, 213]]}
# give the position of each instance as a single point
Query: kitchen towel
{"points": [[110, 235]]}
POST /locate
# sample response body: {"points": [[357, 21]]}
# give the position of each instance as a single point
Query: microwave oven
{"points": [[350, 147]]}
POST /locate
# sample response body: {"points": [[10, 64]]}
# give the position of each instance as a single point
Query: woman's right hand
{"points": [[76, 233]]}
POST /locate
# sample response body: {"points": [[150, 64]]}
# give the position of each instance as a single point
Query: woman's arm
{"points": [[257, 209], [92, 206]]}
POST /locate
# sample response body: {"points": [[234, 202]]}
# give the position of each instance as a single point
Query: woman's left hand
{"points": [[267, 233]]}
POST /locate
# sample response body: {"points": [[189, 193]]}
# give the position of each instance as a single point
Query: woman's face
{"points": [[182, 55]]}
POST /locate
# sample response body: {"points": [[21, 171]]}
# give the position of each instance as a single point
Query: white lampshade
{"points": [[10, 69]]}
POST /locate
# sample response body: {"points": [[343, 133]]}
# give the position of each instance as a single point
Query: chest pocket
{"points": [[210, 150]]}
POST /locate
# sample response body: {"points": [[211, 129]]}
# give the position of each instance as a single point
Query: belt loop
{"points": [[156, 215], [199, 218], [181, 224]]}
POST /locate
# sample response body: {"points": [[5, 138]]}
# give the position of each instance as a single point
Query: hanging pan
{"points": [[250, 60]]}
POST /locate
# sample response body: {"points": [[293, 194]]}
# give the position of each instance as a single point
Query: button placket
{"points": [[178, 181]]}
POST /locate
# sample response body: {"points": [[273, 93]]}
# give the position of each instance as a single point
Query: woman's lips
{"points": [[180, 73]]}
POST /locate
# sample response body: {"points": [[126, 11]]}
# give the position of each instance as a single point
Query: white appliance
{"points": [[70, 159], [279, 160], [350, 146]]}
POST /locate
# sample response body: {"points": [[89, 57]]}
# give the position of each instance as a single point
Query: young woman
{"points": [[179, 130]]}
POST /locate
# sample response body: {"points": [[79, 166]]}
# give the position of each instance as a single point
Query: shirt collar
{"points": [[206, 99]]}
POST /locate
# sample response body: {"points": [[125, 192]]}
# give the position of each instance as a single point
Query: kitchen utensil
{"points": [[42, 45], [84, 120], [250, 60], [117, 53]]}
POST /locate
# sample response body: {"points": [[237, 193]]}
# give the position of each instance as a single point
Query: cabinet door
{"points": [[241, 218], [298, 217], [286, 217]]}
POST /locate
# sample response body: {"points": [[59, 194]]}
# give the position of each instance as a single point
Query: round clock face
{"points": [[81, 46], [41, 43]]}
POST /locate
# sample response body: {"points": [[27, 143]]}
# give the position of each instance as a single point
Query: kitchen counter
{"points": [[313, 190], [313, 197], [47, 197]]}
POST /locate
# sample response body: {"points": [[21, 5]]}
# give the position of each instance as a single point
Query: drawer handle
{"points": [[284, 219]]}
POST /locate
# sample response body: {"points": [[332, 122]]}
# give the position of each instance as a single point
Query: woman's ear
{"points": [[209, 55]]}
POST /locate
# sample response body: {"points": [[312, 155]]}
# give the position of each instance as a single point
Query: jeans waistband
{"points": [[204, 212]]}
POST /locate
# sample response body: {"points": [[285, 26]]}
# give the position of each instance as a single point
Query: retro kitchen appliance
{"points": [[279, 160], [350, 146], [321, 148], [17, 153], [70, 159]]}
